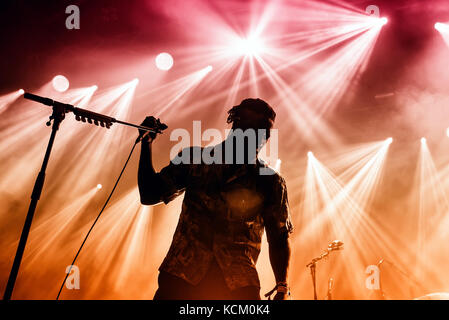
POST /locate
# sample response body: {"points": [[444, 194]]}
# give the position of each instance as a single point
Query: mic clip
{"points": [[158, 127]]}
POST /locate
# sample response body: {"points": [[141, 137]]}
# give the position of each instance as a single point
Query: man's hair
{"points": [[257, 105]]}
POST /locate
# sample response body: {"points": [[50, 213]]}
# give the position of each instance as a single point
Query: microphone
{"points": [[335, 245], [157, 128], [47, 101]]}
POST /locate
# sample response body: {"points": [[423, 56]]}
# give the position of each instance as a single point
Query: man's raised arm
{"points": [[147, 178]]}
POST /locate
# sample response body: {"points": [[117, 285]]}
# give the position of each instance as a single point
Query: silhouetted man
{"points": [[227, 205]]}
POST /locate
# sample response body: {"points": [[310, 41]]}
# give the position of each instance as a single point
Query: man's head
{"points": [[252, 114], [251, 118]]}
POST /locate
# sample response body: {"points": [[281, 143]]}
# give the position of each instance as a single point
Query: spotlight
{"points": [[442, 27], [250, 46], [164, 61], [21, 91], [131, 84], [383, 21], [60, 83], [94, 87], [310, 154], [447, 132], [423, 140], [99, 186], [389, 140], [205, 70]]}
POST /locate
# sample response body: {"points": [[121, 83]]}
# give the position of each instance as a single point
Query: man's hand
{"points": [[150, 122], [280, 296]]}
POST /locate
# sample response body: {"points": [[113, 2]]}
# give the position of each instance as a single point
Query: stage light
{"points": [[204, 71], [164, 61], [389, 140], [447, 132], [443, 29], [251, 46], [9, 98], [94, 87], [431, 204], [310, 154], [135, 82], [60, 83], [99, 186], [338, 203], [377, 22]]}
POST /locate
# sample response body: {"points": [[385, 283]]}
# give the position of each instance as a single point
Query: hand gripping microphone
{"points": [[158, 127]]}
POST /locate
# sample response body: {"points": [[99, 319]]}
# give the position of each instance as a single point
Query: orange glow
{"points": [[363, 140]]}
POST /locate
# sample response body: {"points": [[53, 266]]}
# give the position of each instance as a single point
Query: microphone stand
{"points": [[58, 115], [403, 273], [312, 267], [330, 286], [333, 246]]}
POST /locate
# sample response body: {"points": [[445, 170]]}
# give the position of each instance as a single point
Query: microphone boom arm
{"points": [[58, 115], [83, 115]]}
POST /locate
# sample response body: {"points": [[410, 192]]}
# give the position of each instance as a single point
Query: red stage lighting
{"points": [[60, 83], [164, 61], [251, 46]]}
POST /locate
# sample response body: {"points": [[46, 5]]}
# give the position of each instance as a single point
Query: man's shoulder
{"points": [[270, 173], [189, 155]]}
